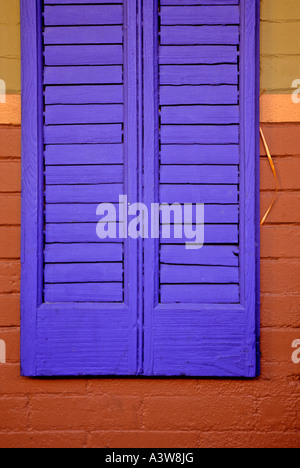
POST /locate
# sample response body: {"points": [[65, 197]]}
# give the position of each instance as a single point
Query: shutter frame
{"points": [[71, 338], [216, 340], [32, 228], [41, 351]]}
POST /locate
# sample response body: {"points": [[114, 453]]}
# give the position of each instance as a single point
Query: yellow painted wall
{"points": [[280, 44], [10, 45]]}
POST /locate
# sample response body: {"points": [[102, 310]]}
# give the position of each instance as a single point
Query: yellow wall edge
{"points": [[278, 108], [274, 108], [10, 111]]}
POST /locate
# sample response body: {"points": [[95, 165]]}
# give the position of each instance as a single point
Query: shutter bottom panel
{"points": [[85, 341], [208, 343]]}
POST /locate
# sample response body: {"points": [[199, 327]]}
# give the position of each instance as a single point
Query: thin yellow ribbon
{"points": [[274, 173]]}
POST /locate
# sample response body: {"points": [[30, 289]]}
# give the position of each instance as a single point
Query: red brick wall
{"points": [[164, 413]]}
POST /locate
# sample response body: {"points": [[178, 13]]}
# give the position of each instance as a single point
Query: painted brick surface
{"points": [[170, 413]]}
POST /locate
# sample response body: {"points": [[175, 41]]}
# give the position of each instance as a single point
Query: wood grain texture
{"points": [[83, 75], [189, 193], [200, 15], [80, 114], [86, 292], [204, 35], [213, 234], [194, 134], [211, 95], [82, 134], [84, 94], [31, 255], [75, 213], [199, 174], [84, 193], [198, 75], [183, 55], [193, 115], [199, 293], [72, 233], [194, 274], [250, 170], [65, 155], [83, 55], [84, 175], [200, 154], [83, 35], [64, 15], [84, 273], [77, 253], [71, 348], [86, 213], [208, 255]]}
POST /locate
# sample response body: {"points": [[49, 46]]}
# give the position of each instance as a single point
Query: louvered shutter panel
{"points": [[156, 100], [84, 311], [200, 305]]}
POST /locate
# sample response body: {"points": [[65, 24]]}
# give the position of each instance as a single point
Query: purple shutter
{"points": [[201, 305], [78, 293], [156, 100]]}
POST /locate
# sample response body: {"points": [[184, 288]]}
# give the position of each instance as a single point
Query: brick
{"points": [[280, 311], [9, 310], [139, 439], [279, 372], [11, 383], [10, 142], [280, 241], [10, 210], [283, 139], [10, 176], [10, 243], [9, 277], [210, 411], [93, 413], [126, 387], [277, 417], [280, 277], [254, 439], [262, 389], [11, 337], [184, 388], [14, 414], [276, 346], [287, 170], [278, 72], [274, 10], [285, 210], [10, 15], [43, 440]]}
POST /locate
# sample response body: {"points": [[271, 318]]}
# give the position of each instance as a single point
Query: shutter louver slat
{"points": [[72, 15], [82, 75]]}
